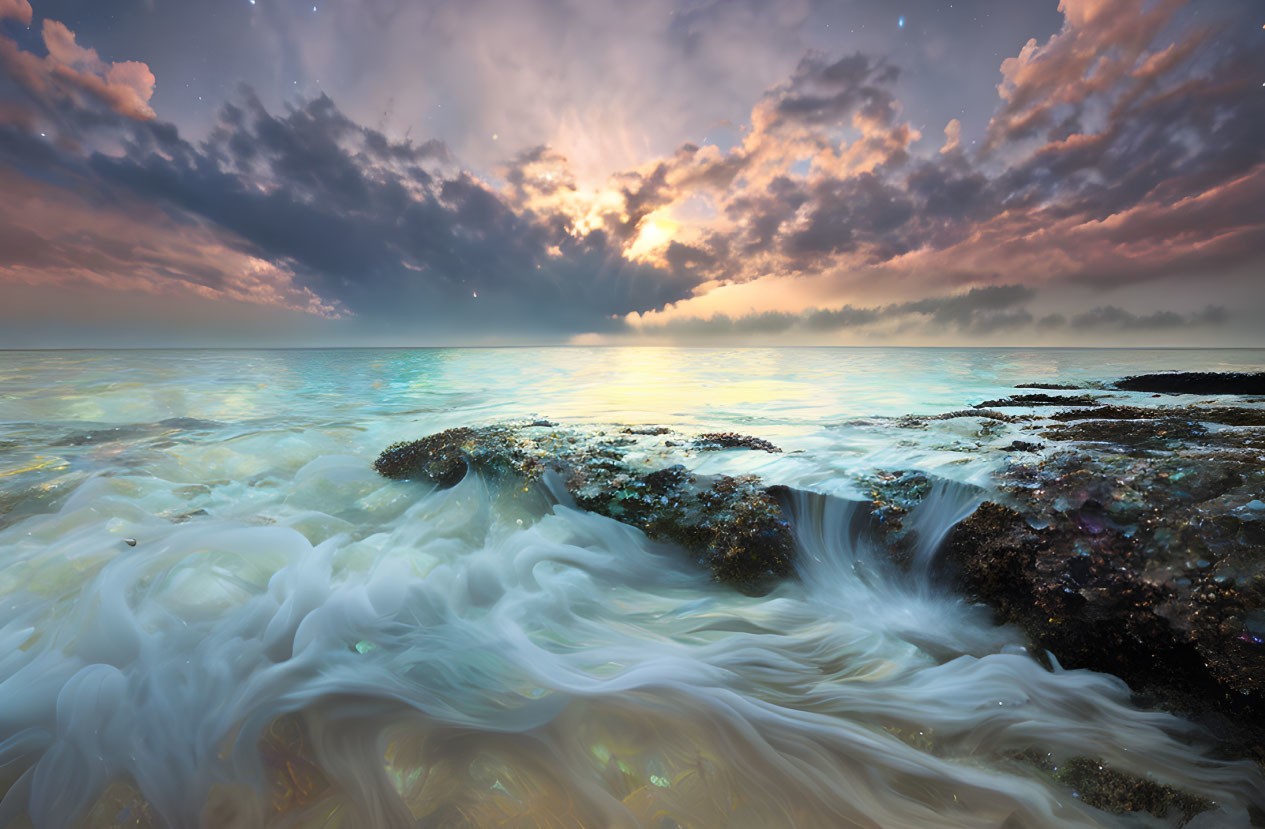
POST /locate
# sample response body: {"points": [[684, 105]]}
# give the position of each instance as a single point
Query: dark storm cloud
{"points": [[978, 306], [1114, 317], [1150, 165], [389, 230], [1127, 147], [823, 92], [376, 226], [977, 311]]}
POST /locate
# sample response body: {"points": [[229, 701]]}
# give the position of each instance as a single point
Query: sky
{"points": [[481, 172]]}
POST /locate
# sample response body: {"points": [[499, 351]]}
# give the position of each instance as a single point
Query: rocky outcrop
{"points": [[1048, 386], [1125, 539], [735, 526], [1196, 382], [1039, 400], [1136, 546]]}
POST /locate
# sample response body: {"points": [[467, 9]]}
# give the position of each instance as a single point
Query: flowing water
{"points": [[293, 641]]}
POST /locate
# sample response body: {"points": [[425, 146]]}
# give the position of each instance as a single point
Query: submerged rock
{"points": [[1196, 382], [734, 525], [1103, 787], [987, 414], [1039, 400]]}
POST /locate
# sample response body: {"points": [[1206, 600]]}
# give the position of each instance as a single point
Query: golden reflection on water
{"points": [[633, 385]]}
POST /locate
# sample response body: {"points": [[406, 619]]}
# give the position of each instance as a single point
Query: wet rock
{"points": [[1083, 590], [648, 430], [171, 425], [733, 525], [892, 496], [1127, 548], [1223, 415], [1023, 446], [1196, 382], [987, 414], [1162, 433], [732, 440], [442, 458], [1039, 400], [1048, 386]]}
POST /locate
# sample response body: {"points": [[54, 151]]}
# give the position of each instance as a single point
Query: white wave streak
{"points": [[384, 657]]}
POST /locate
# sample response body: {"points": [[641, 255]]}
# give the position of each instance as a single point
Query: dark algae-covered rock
{"points": [[1135, 545], [1039, 400], [735, 525], [1196, 382], [1048, 386], [1224, 415], [1121, 538]]}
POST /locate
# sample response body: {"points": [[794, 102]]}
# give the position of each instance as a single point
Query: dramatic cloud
{"points": [[1109, 316], [977, 312], [1125, 149], [385, 229], [53, 238], [75, 72]]}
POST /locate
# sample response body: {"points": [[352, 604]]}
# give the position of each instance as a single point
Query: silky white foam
{"points": [[531, 660]]}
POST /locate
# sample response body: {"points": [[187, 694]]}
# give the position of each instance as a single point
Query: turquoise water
{"points": [[439, 657]]}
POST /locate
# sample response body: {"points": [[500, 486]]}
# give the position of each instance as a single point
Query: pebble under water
{"points": [[295, 641]]}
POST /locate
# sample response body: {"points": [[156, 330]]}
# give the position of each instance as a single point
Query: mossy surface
{"points": [[735, 526]]}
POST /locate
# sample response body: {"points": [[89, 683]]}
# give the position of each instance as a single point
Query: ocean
{"points": [[215, 613]]}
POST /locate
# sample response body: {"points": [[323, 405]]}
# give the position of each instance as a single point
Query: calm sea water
{"points": [[294, 641]]}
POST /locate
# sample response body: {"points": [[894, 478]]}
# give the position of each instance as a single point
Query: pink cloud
{"points": [[50, 237], [73, 71], [19, 10], [1101, 43]]}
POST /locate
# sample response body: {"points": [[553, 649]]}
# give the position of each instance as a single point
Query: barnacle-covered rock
{"points": [[733, 525], [1132, 546]]}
